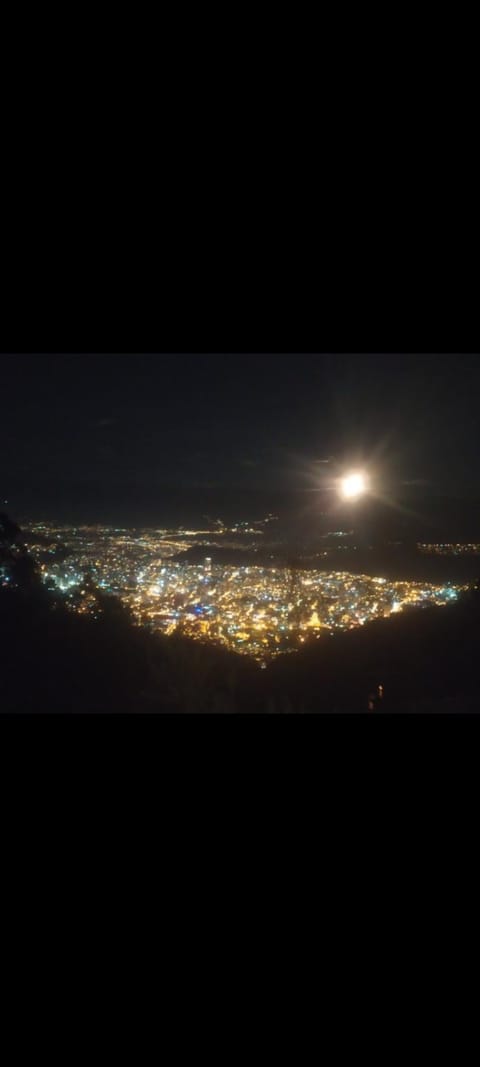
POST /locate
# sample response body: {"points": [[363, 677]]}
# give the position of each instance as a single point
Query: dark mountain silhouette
{"points": [[424, 660], [414, 512]]}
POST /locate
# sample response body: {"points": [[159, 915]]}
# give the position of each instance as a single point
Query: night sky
{"points": [[78, 430]]}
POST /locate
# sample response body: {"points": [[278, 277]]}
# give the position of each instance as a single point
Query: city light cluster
{"points": [[257, 610], [449, 549]]}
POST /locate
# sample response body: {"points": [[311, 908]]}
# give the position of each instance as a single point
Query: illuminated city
{"points": [[449, 550], [228, 532], [262, 611]]}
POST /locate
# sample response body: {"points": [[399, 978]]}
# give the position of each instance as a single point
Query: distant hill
{"points": [[415, 512], [396, 562]]}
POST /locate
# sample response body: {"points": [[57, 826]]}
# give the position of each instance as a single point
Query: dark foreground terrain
{"points": [[55, 660]]}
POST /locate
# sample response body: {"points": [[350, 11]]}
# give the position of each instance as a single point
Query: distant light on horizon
{"points": [[353, 485]]}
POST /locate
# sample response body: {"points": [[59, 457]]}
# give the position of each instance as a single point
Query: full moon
{"points": [[353, 486]]}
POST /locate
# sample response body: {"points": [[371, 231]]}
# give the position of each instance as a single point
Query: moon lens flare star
{"points": [[353, 485]]}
